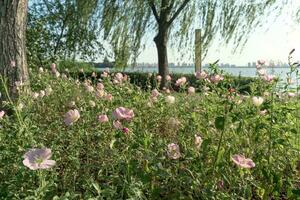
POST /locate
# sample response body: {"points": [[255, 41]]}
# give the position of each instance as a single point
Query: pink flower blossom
{"points": [[104, 75], [122, 113], [94, 74], [201, 75], [291, 94], [158, 78], [155, 93], [100, 86], [53, 68], [117, 124], [242, 161], [263, 112], [261, 72], [118, 78], [168, 78], [13, 63], [268, 78], [100, 93], [102, 118], [257, 101], [125, 130], [181, 81], [71, 116], [109, 97], [173, 151], [2, 113], [216, 78], [198, 141], [38, 159], [170, 99], [191, 90]]}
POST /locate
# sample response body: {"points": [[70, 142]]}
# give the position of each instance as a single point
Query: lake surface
{"points": [[236, 71]]}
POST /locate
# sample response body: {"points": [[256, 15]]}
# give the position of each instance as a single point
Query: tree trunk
{"points": [[13, 63], [161, 41]]}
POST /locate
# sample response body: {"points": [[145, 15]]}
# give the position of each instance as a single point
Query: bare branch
{"points": [[154, 11], [178, 11]]}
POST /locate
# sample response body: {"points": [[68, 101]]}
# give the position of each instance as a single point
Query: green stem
{"points": [[10, 100]]}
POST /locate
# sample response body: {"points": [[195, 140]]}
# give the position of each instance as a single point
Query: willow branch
{"points": [[178, 11]]}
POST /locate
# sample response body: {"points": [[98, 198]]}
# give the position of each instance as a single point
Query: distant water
{"points": [[235, 71]]}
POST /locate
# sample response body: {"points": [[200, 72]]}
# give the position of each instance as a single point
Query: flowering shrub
{"points": [[122, 142]]}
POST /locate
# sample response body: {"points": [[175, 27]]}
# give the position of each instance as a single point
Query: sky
{"points": [[273, 41]]}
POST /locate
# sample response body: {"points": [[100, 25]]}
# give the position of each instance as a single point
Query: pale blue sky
{"points": [[272, 42]]}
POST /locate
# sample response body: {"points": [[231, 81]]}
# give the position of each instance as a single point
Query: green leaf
{"points": [[220, 123], [296, 192]]}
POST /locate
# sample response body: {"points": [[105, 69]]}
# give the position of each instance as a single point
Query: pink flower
{"points": [[71, 116], [261, 72], [104, 74], [102, 118], [201, 75], [191, 90], [109, 97], [243, 162], [118, 125], [125, 130], [53, 68], [2, 113], [89, 88], [100, 86], [13, 63], [257, 101], [216, 78], [38, 159], [168, 78], [100, 93], [268, 78], [94, 74], [263, 112], [198, 141], [123, 113], [170, 99], [181, 81], [118, 78], [158, 78], [154, 93], [173, 151], [291, 94]]}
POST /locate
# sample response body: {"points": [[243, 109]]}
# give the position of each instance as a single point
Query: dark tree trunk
{"points": [[161, 41], [13, 63]]}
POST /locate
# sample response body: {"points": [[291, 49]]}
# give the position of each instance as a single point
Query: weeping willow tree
{"points": [[128, 24], [56, 27], [62, 30]]}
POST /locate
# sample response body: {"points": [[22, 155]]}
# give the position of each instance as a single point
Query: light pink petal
{"points": [[47, 164]]}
